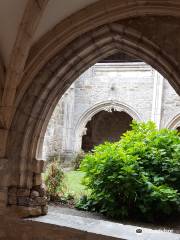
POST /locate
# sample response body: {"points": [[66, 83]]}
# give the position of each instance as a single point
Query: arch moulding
{"points": [[95, 15], [35, 108], [174, 123], [108, 106], [59, 58]]}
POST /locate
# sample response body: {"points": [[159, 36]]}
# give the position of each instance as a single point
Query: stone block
{"points": [[3, 196], [3, 139], [12, 191], [41, 201], [35, 211], [12, 200], [23, 211], [28, 202], [33, 202], [41, 190], [3, 208], [3, 164], [23, 201], [5, 178], [38, 166], [34, 194], [23, 192], [26, 180], [44, 210], [37, 179]]}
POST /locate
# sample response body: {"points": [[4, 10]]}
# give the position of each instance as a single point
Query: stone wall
{"points": [[170, 105], [138, 89]]}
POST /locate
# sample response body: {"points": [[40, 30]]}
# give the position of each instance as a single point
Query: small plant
{"points": [[77, 161], [66, 198], [53, 178], [86, 203], [53, 157], [136, 177]]}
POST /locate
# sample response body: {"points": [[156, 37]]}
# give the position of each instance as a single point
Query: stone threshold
{"points": [[106, 229]]}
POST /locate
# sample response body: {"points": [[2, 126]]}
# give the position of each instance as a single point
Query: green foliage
{"points": [[138, 176], [73, 184], [53, 178], [63, 187], [77, 161]]}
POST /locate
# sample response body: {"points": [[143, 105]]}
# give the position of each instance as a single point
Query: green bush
{"points": [[53, 178], [78, 159], [136, 177]]}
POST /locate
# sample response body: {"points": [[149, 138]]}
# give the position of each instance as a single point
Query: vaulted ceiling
{"points": [[11, 13]]}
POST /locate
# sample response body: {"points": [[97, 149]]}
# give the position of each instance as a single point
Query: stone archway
{"points": [[174, 123], [105, 126], [106, 106], [37, 102]]}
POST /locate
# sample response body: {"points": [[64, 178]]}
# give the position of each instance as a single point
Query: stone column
{"points": [[68, 118], [26, 201], [4, 174], [157, 98], [5, 167]]}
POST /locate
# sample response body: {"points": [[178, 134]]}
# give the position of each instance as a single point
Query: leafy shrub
{"points": [[137, 177], [53, 178], [77, 161], [66, 198]]}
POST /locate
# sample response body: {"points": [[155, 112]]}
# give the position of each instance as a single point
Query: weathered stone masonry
{"points": [[40, 71], [26, 201], [134, 88]]}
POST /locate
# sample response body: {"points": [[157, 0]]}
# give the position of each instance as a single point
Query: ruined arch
{"points": [[102, 106], [175, 122], [105, 126]]}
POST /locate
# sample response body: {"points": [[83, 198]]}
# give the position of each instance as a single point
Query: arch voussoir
{"points": [[35, 105]]}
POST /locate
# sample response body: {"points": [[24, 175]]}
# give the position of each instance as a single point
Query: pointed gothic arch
{"points": [[175, 122]]}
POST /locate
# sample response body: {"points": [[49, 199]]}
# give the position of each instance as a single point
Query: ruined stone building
{"points": [[100, 105], [45, 45]]}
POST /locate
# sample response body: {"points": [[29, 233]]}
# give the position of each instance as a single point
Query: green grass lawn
{"points": [[73, 184]]}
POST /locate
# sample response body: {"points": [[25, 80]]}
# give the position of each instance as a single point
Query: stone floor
{"points": [[170, 225], [73, 219]]}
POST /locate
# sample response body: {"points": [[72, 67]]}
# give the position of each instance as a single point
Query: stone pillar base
{"points": [[25, 202]]}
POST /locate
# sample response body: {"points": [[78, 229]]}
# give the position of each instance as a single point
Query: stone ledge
{"points": [[18, 229], [103, 228]]}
